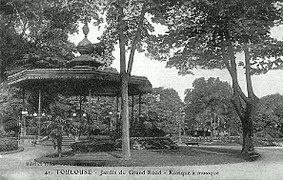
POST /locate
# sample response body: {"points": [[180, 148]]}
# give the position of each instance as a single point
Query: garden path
{"points": [[269, 166]]}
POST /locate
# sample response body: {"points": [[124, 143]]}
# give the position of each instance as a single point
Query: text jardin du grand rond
{"points": [[104, 172]]}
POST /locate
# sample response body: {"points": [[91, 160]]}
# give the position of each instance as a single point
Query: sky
{"points": [[159, 76]]}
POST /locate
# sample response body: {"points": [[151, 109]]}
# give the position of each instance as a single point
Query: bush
{"points": [[148, 129], [8, 144], [149, 143], [3, 134], [94, 145]]}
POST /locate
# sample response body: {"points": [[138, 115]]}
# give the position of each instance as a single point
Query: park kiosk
{"points": [[82, 77]]}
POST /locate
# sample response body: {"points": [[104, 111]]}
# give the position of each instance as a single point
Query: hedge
{"points": [[8, 144], [93, 145], [140, 143]]}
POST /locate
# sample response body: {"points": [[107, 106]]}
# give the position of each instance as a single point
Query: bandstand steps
{"points": [[66, 141]]}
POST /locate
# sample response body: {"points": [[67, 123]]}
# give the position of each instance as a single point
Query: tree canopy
{"points": [[198, 32], [10, 103], [34, 34], [164, 108], [208, 33], [269, 119], [209, 102]]}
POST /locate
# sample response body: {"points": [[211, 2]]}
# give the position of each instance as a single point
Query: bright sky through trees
{"points": [[159, 76]]}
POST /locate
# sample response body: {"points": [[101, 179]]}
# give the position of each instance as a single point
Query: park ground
{"points": [[21, 165]]}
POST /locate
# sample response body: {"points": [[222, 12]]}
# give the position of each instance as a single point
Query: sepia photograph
{"points": [[141, 89]]}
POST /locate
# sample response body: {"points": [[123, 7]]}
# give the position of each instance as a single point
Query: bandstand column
{"points": [[23, 118], [117, 114], [133, 108], [133, 124], [39, 111], [139, 108]]}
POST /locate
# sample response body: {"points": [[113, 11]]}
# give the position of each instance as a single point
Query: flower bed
{"points": [[140, 143], [94, 145], [8, 144]]}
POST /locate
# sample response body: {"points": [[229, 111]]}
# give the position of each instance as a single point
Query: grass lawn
{"points": [[184, 156]]}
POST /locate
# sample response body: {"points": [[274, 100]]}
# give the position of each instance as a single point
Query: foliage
{"points": [[94, 145], [208, 105], [98, 113], [208, 33], [8, 144], [197, 31], [163, 107], [132, 17], [3, 133], [147, 129], [59, 122], [140, 143], [10, 106], [268, 122], [34, 34]]}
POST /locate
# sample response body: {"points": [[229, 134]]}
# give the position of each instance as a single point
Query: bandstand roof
{"points": [[77, 82]]}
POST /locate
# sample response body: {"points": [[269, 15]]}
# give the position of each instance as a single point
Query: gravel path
{"points": [[14, 166]]}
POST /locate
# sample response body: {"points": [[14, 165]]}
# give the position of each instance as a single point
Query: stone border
{"points": [[20, 149]]}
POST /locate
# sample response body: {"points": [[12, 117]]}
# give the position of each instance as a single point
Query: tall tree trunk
{"points": [[124, 86], [249, 112], [125, 118], [244, 105], [247, 124], [245, 111], [125, 74]]}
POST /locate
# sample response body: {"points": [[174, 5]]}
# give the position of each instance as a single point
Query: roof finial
{"points": [[85, 48], [85, 28]]}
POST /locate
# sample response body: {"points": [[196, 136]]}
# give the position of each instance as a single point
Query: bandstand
{"points": [[81, 77]]}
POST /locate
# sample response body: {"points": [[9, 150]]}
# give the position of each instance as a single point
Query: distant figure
{"points": [[56, 138]]}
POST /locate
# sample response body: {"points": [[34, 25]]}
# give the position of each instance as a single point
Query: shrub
{"points": [[8, 144], [93, 145], [148, 129], [149, 143], [3, 134]]}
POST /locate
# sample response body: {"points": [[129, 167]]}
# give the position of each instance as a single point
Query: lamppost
{"points": [[110, 122], [118, 122], [39, 118]]}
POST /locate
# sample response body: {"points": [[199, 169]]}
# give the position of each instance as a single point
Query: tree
{"points": [[268, 121], [58, 124], [127, 26], [34, 34], [209, 103], [163, 107], [10, 105], [45, 25], [208, 33]]}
